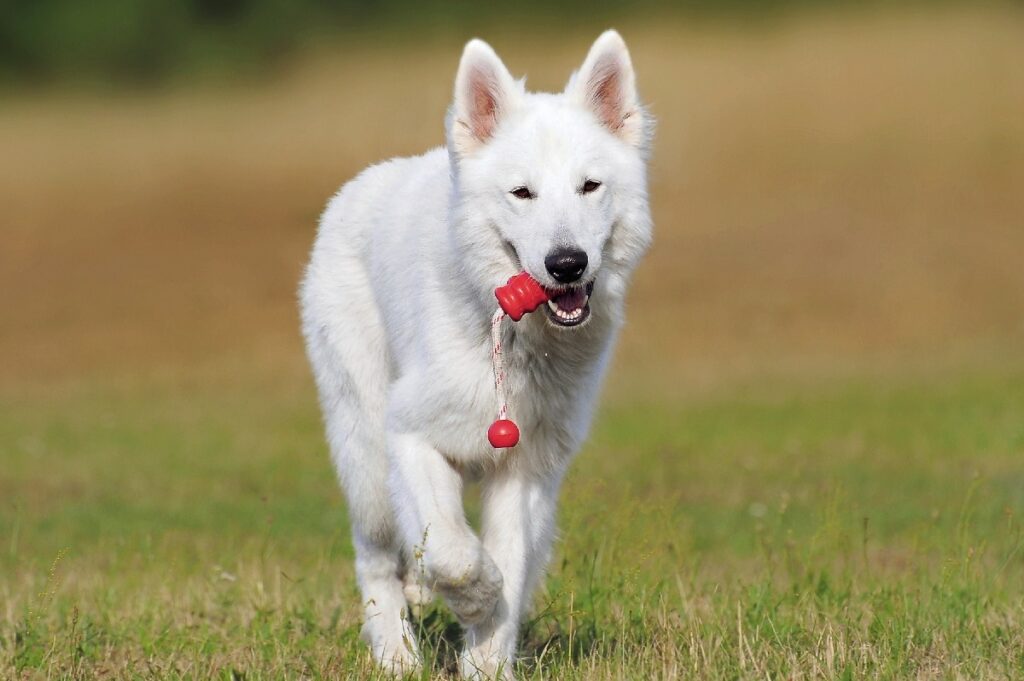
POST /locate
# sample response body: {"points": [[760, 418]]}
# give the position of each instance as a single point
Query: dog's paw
{"points": [[400, 665], [477, 667], [470, 586], [417, 594], [395, 650]]}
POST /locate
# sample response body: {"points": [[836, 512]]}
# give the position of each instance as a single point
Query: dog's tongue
{"points": [[571, 299]]}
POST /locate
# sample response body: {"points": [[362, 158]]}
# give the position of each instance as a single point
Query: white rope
{"points": [[498, 365]]}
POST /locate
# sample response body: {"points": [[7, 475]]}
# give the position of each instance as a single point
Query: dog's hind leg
{"points": [[357, 450], [386, 628], [348, 354]]}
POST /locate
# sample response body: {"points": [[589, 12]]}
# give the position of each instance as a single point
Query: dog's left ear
{"points": [[606, 85]]}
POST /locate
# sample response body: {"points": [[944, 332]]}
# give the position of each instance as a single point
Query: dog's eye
{"points": [[590, 186], [522, 193]]}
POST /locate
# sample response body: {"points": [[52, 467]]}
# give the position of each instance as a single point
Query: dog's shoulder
{"points": [[390, 176], [382, 193]]}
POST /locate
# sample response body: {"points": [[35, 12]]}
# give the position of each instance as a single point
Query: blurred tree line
{"points": [[145, 41]]}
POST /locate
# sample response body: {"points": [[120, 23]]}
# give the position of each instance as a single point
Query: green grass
{"points": [[842, 530]]}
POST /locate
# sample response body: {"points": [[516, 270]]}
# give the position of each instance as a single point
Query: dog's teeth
{"points": [[573, 315]]}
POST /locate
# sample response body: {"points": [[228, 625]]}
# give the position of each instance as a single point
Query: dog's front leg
{"points": [[427, 494], [518, 528]]}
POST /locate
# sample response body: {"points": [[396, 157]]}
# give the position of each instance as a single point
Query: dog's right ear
{"points": [[485, 93]]}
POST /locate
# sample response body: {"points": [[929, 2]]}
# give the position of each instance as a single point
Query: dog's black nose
{"points": [[566, 265]]}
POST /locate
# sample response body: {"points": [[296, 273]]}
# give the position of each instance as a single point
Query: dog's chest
{"points": [[550, 389]]}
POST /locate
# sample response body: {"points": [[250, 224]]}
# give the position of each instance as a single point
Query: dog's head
{"points": [[553, 184]]}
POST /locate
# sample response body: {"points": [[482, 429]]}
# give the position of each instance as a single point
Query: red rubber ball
{"points": [[503, 433]]}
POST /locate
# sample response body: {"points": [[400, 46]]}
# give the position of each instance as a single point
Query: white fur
{"points": [[396, 307]]}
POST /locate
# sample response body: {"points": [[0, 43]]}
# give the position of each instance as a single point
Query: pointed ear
{"points": [[485, 93], [606, 85]]}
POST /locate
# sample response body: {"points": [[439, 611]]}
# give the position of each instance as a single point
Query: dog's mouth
{"points": [[569, 306]]}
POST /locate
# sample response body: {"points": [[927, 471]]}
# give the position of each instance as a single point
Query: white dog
{"points": [[396, 311]]}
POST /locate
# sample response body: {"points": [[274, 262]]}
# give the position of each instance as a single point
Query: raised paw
{"points": [[471, 588]]}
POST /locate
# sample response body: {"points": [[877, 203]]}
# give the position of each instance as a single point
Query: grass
{"points": [[842, 531]]}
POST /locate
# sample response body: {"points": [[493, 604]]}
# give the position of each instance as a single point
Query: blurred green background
{"points": [[147, 41], [808, 459], [143, 42]]}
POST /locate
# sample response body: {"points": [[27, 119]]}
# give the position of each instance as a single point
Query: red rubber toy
{"points": [[503, 433], [520, 295]]}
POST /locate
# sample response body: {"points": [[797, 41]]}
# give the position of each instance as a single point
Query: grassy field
{"points": [[809, 461], [871, 530]]}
